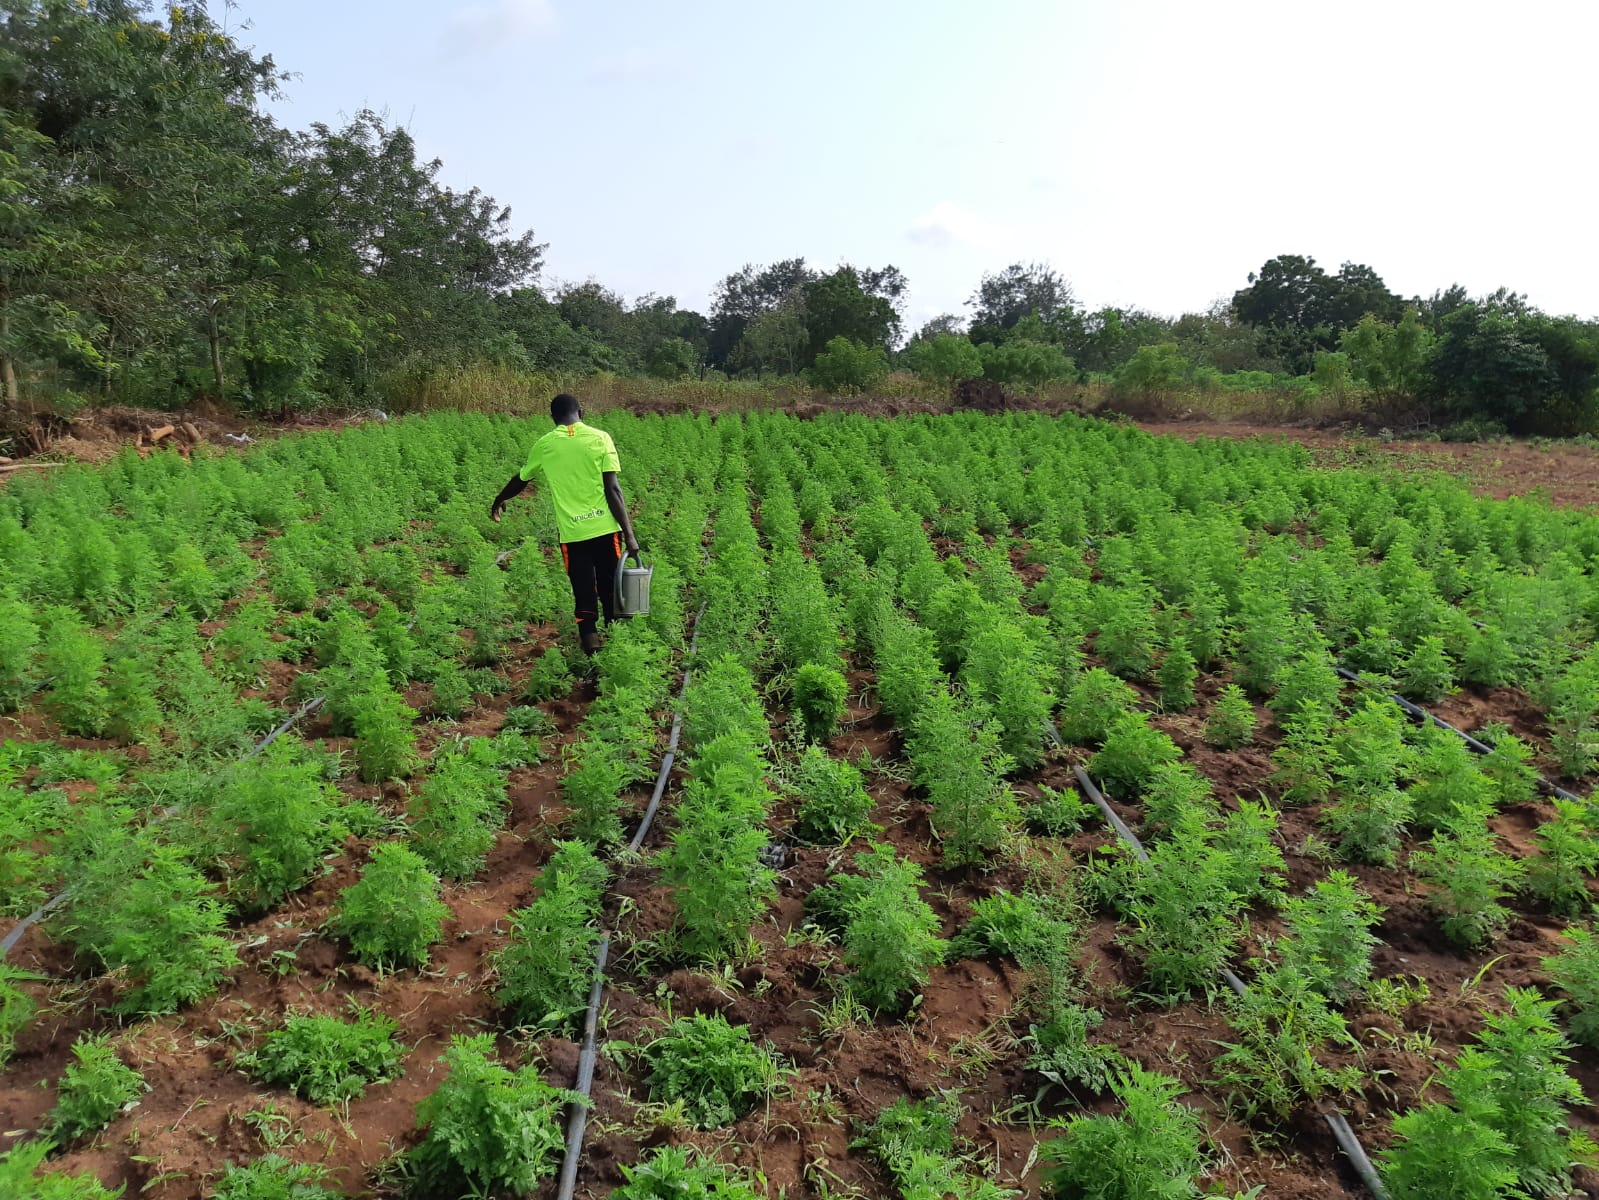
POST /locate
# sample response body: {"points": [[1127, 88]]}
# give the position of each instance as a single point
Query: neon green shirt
{"points": [[573, 459]]}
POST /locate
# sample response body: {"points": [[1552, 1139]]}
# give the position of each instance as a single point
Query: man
{"points": [[579, 464]]}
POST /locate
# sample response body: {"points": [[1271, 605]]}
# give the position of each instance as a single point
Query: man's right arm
{"points": [[507, 493]]}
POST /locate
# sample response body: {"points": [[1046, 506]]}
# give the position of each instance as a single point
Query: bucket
{"points": [[633, 587]]}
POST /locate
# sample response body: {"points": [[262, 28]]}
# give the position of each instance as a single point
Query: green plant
{"points": [[712, 1068], [914, 1141], [131, 689], [1008, 671], [1304, 759], [385, 743], [1515, 1081], [1450, 794], [1328, 942], [713, 864], [549, 679], [1061, 1052], [19, 1177], [1127, 636], [455, 815], [273, 818], [1094, 704], [1308, 681], [1575, 971], [1508, 767], [680, 1173], [890, 933], [1151, 1149], [393, 913], [1057, 812], [96, 1087], [547, 964], [723, 701], [820, 698], [1176, 678], [74, 659], [17, 1007], [955, 754], [1132, 753], [19, 641], [1183, 905], [244, 644], [1469, 877], [158, 923], [327, 1060], [1176, 791], [273, 1177], [1247, 840], [834, 804], [1441, 1153], [487, 1130], [1568, 855], [1232, 719], [593, 788], [1283, 1027], [1427, 674]]}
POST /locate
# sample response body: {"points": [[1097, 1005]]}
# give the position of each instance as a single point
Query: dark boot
{"points": [[589, 639]]}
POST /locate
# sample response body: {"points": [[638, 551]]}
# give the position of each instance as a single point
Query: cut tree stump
{"points": [[192, 432], [164, 431]]}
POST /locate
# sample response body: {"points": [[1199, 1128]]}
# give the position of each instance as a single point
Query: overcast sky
{"points": [[1153, 151]]}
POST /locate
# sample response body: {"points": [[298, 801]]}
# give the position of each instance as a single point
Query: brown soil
{"points": [[1563, 473]]}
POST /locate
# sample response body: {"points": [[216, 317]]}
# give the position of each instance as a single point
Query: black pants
{"points": [[591, 568]]}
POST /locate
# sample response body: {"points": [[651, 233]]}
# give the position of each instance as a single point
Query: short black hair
{"points": [[564, 409]]}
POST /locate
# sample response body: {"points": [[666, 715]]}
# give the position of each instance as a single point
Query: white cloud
{"points": [[636, 64], [495, 24], [949, 224]]}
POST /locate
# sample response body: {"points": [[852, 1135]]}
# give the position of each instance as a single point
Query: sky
{"points": [[1154, 152]]}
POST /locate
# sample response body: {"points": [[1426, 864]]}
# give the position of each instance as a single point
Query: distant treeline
{"points": [[162, 239]]}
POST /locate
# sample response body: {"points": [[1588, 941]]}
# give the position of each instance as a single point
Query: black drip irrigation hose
{"points": [[577, 1121], [1427, 718], [1341, 1131]]}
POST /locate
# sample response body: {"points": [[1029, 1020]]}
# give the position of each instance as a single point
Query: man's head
{"points": [[564, 410]]}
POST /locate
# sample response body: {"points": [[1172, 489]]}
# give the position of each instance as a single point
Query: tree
{"points": [[129, 241], [776, 340], [551, 344], [1300, 309], [1218, 338], [1153, 371], [943, 323], [945, 359], [745, 295], [1004, 298], [839, 306], [671, 358], [1104, 340], [844, 367], [429, 264], [1025, 362], [1484, 367], [1391, 360]]}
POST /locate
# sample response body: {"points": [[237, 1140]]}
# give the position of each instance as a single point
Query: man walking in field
{"points": [[580, 466]]}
